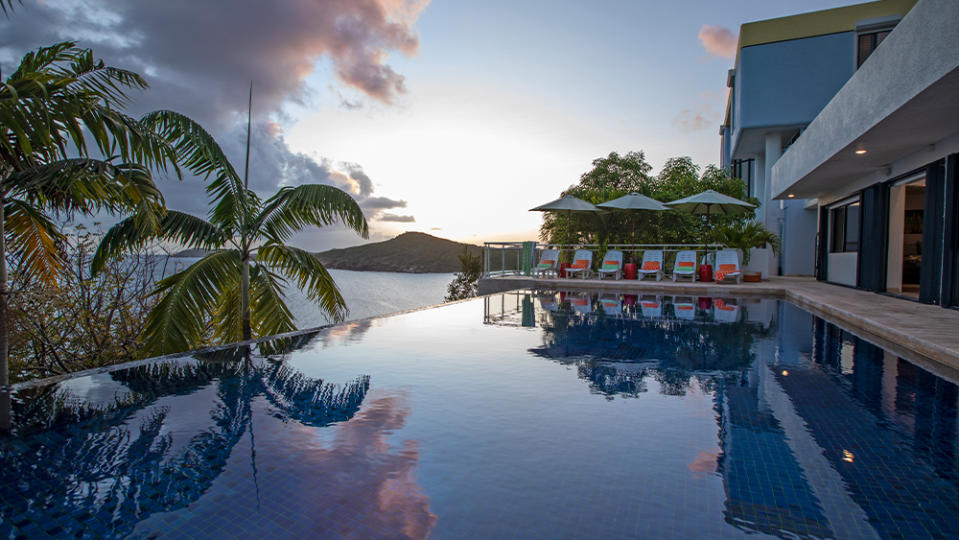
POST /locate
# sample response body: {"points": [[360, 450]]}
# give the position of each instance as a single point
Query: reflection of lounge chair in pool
{"points": [[548, 302], [684, 308], [651, 306], [611, 305], [547, 263], [582, 261], [581, 304], [612, 264], [727, 266], [652, 264], [725, 312], [685, 265]]}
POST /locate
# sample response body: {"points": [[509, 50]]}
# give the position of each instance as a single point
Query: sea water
{"points": [[367, 294]]}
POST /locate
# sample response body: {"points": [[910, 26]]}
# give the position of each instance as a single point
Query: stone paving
{"points": [[921, 332]]}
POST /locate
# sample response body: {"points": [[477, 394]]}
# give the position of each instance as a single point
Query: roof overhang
{"points": [[901, 100]]}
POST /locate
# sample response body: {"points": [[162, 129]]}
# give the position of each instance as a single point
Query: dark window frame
{"points": [[844, 235], [867, 42]]}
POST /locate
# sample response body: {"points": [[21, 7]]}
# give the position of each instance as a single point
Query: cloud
{"points": [[703, 114], [718, 41], [397, 219], [200, 56], [689, 120]]}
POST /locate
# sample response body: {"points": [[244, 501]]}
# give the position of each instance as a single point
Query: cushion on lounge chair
{"points": [[580, 264], [685, 265], [724, 270], [610, 265], [651, 266], [546, 263]]}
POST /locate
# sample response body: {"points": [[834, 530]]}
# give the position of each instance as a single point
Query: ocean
{"points": [[367, 294]]}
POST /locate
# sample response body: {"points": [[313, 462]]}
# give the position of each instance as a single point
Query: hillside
{"points": [[413, 252]]}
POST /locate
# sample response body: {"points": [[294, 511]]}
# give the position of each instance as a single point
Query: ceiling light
{"points": [[860, 151], [791, 196]]}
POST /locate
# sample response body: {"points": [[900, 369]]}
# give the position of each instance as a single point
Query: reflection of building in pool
{"points": [[107, 467], [867, 440]]}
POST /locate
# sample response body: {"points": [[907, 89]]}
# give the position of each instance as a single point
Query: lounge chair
{"points": [[582, 261], [724, 311], [727, 265], [548, 302], [612, 264], [685, 265], [684, 308], [652, 264], [547, 263]]}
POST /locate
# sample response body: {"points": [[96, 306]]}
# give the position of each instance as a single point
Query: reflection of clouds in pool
{"points": [[705, 463], [375, 480]]}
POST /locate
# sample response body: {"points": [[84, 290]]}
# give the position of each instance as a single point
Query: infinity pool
{"points": [[524, 414]]}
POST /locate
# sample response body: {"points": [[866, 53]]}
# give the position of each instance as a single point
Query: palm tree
{"points": [[66, 149], [236, 292]]}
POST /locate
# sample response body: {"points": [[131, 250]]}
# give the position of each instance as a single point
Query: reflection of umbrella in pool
{"points": [[569, 204], [634, 202], [711, 202]]}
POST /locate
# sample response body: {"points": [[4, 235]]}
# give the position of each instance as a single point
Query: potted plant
{"points": [[745, 236]]}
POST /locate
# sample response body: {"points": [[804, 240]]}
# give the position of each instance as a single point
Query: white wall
{"points": [[842, 268], [897, 209]]}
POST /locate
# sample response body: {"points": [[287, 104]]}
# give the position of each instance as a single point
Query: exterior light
{"points": [[785, 373], [847, 456], [861, 151], [791, 196]]}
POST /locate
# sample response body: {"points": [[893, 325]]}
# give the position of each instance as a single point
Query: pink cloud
{"points": [[718, 41]]}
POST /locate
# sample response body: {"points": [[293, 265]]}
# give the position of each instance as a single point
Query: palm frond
{"points": [[309, 274], [7, 6], [35, 244], [187, 301], [269, 312], [86, 186], [181, 228], [293, 208], [195, 148]]}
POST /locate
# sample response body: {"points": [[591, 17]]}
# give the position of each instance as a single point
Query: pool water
{"points": [[525, 414]]}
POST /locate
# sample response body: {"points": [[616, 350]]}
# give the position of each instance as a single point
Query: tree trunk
{"points": [[4, 322], [245, 298]]}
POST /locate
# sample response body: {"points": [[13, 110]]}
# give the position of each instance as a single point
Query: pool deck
{"points": [[920, 332]]}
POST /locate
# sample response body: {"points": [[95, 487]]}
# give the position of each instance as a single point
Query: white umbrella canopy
{"points": [[711, 202], [568, 203], [634, 201]]}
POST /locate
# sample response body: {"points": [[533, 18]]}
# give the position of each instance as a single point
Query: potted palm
{"points": [[745, 236]]}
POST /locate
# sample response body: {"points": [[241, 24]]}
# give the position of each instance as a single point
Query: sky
{"points": [[450, 117]]}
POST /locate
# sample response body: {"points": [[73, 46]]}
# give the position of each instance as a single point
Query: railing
{"points": [[519, 258]]}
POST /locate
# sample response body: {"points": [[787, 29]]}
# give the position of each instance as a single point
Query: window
{"points": [[743, 169], [867, 44], [844, 228]]}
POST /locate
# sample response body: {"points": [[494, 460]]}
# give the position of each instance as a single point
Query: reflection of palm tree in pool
{"points": [[92, 463]]}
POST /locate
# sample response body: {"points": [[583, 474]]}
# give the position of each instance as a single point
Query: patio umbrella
{"points": [[568, 203], [634, 201], [710, 202]]}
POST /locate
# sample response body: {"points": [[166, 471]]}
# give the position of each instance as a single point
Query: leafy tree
{"points": [[81, 321], [66, 149], [464, 285], [615, 176], [236, 292]]}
